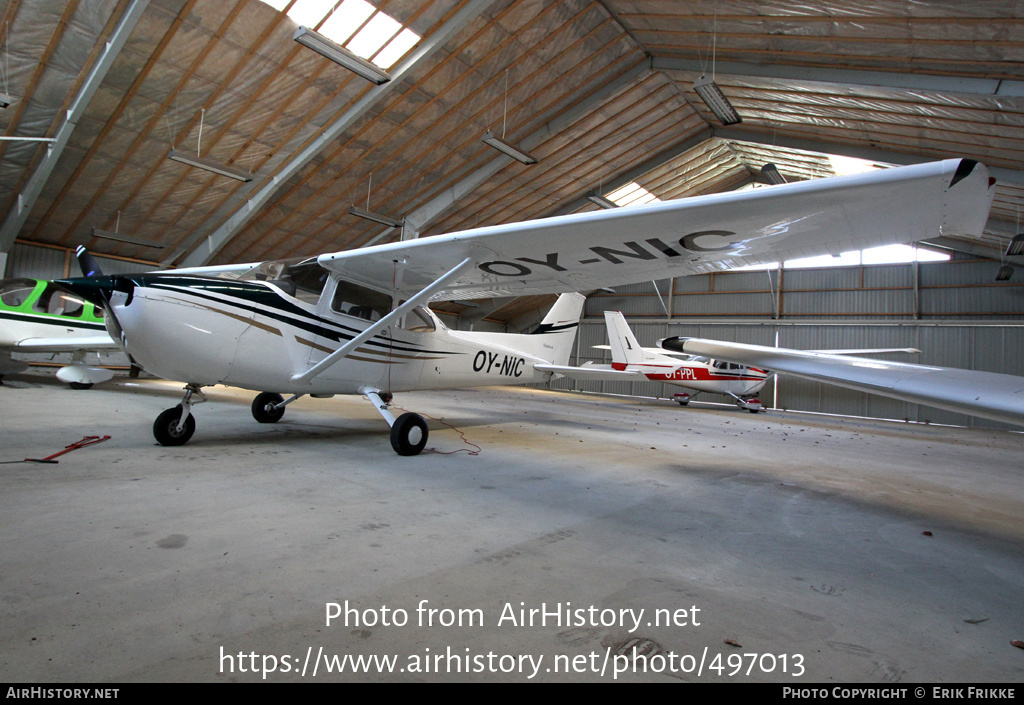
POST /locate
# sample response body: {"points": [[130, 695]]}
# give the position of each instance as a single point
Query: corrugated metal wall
{"points": [[956, 314], [52, 263]]}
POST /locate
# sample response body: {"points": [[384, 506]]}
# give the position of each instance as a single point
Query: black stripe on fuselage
{"points": [[51, 321], [280, 308]]}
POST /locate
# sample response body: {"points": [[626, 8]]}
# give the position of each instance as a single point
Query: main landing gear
{"points": [[408, 432], [751, 404], [175, 426]]}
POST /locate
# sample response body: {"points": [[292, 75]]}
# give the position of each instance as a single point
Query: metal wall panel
{"points": [[49, 263], [893, 276], [724, 304], [744, 281], [874, 303], [821, 279], [973, 302], [35, 262]]}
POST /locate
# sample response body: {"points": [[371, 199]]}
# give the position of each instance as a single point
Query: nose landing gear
{"points": [[175, 426]]}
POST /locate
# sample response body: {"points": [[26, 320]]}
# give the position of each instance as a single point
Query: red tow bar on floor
{"points": [[87, 441]]}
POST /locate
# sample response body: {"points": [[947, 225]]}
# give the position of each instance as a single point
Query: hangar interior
{"points": [[601, 94], [180, 133]]}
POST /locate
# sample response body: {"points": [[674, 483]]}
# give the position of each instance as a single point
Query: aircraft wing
{"points": [[987, 394], [91, 343], [584, 251]]}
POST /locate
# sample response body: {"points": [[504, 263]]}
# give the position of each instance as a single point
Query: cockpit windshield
{"points": [[302, 278]]}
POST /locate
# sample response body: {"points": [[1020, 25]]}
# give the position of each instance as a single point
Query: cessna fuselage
{"points": [[259, 334]]}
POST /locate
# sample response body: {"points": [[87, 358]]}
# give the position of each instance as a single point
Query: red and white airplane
{"points": [[696, 373]]}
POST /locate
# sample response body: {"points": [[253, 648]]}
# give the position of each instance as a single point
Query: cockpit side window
{"points": [[63, 304], [16, 291], [419, 321], [360, 301]]}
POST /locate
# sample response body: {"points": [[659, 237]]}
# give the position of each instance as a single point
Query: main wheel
{"points": [[263, 407], [409, 434], [165, 428]]}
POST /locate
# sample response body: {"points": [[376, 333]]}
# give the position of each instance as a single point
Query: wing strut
{"points": [[419, 299]]}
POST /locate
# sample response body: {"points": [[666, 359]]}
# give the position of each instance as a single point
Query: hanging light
{"points": [[208, 165], [376, 217], [712, 95], [1016, 246], [340, 55], [772, 173], [508, 148], [600, 200]]}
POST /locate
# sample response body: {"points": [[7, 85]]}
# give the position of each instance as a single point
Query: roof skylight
{"points": [[356, 25], [632, 194]]}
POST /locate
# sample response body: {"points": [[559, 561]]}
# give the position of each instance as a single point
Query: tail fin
{"points": [[626, 349], [558, 329]]}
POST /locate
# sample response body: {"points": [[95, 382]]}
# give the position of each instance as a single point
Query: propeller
{"points": [[90, 267], [97, 287]]}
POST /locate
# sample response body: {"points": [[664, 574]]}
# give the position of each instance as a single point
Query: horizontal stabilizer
{"points": [[593, 372]]}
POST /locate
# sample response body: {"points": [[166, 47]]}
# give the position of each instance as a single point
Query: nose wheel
{"points": [[169, 430], [175, 426]]}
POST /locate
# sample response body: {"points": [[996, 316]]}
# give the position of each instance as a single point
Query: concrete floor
{"points": [[799, 540]]}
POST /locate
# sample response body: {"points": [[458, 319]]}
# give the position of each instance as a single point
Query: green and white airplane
{"points": [[38, 317]]}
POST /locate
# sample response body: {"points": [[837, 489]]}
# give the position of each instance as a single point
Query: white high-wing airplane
{"points": [[631, 362], [356, 322], [38, 317], [988, 394]]}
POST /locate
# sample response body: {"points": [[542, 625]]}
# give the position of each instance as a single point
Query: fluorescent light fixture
{"points": [[509, 149], [209, 165], [1004, 273], [1016, 246], [340, 55], [107, 235], [711, 94], [5, 100], [376, 217], [600, 200], [772, 173]]}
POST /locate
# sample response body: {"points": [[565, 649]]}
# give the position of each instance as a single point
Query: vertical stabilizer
{"points": [[558, 329], [625, 348]]}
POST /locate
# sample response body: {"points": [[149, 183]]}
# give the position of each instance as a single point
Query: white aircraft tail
{"points": [[551, 341], [626, 350], [557, 332]]}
